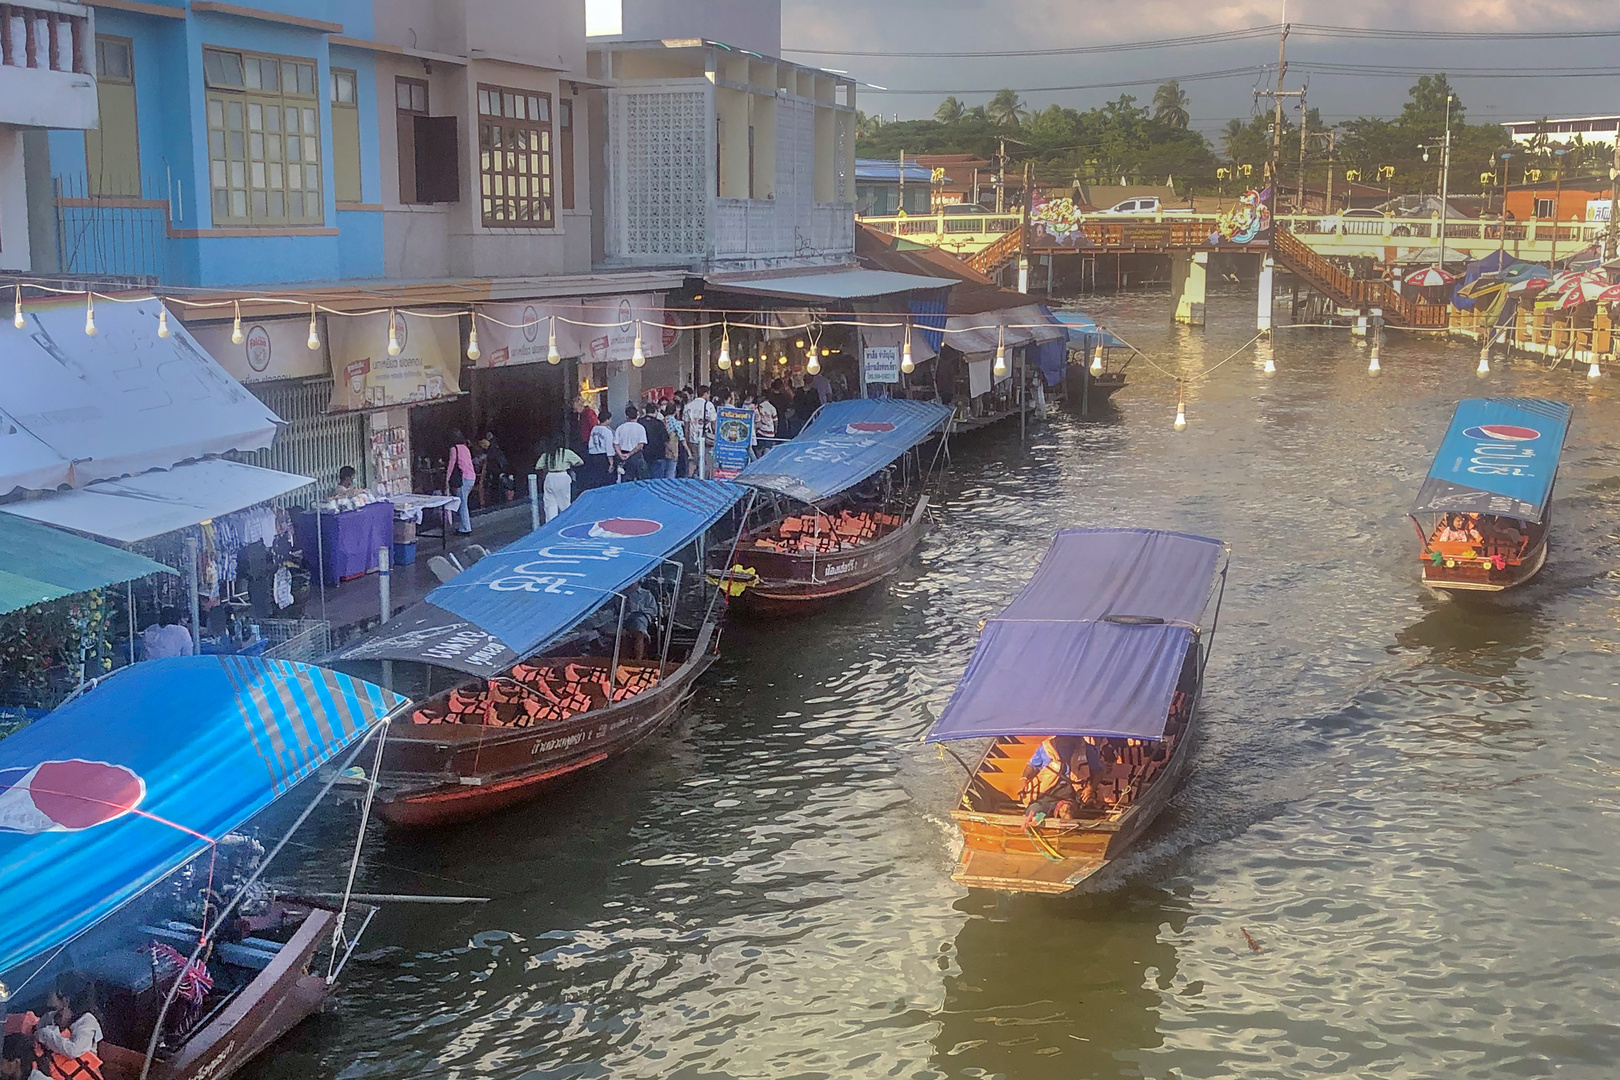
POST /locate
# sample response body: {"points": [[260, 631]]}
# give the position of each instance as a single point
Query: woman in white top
{"points": [[70, 1031], [559, 483], [599, 452]]}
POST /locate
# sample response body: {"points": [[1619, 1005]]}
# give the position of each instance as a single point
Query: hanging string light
{"points": [[906, 364], [1593, 371], [394, 347], [17, 319], [314, 341], [723, 361], [1373, 367], [1000, 367], [473, 352], [812, 362], [90, 314], [552, 355], [236, 322], [163, 320], [1484, 367], [638, 355], [1096, 362], [1181, 408]]}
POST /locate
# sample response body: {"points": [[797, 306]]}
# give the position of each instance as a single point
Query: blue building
{"points": [[236, 146]]}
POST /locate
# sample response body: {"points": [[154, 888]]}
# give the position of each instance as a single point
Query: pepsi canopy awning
{"points": [[844, 443], [510, 603], [43, 564], [1096, 642], [1103, 679], [1499, 456], [110, 793]]}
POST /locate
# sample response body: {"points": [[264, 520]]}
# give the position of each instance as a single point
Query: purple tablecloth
{"points": [[349, 541]]}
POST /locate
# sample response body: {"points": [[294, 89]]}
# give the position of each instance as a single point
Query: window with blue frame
{"points": [[264, 139]]}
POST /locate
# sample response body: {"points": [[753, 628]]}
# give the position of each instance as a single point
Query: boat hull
{"points": [[277, 1000], [799, 584], [1476, 578], [437, 774]]}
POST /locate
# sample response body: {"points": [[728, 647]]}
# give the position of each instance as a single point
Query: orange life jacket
{"points": [[87, 1066]]}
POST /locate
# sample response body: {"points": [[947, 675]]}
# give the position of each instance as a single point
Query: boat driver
{"points": [[1051, 772]]}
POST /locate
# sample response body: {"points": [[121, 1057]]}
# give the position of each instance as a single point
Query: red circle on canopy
{"points": [[79, 794]]}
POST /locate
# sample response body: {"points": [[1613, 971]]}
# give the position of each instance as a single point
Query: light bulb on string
{"points": [[236, 322], [552, 355], [781, 361], [394, 347], [17, 319], [473, 352], [314, 341], [90, 314], [723, 361], [1593, 371], [1181, 410], [813, 363], [1000, 367], [1096, 362], [638, 355], [1484, 367], [163, 320], [906, 363]]}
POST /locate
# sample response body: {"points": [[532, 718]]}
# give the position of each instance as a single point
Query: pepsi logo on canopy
{"points": [[1503, 433], [611, 529], [869, 427], [67, 796]]}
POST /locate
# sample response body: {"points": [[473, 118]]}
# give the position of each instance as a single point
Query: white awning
{"points": [[832, 285], [75, 409], [153, 503], [975, 335]]}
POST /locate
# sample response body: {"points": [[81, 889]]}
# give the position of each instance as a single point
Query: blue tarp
{"points": [[114, 790], [1074, 655], [1500, 456], [1085, 333], [509, 604], [844, 443]]}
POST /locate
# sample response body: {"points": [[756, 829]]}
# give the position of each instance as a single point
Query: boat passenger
{"points": [[69, 1036], [168, 636], [1458, 530], [640, 609], [1050, 769], [17, 1059]]}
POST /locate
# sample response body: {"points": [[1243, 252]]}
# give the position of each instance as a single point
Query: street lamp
{"points": [[1502, 247], [1445, 180]]}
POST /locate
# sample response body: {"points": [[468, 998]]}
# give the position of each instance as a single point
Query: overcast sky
{"points": [[961, 25]]}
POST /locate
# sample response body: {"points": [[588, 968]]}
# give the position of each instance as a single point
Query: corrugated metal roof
{"points": [[833, 285], [46, 564]]}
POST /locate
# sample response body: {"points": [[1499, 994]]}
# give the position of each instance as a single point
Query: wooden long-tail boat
{"points": [[1088, 688], [1483, 514], [549, 656], [128, 871], [843, 508], [1091, 376]]}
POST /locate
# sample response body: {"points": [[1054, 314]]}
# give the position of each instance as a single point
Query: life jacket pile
{"points": [[533, 695], [823, 534]]}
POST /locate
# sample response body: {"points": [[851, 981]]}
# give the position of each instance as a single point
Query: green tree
{"points": [[1006, 108], [950, 111], [1170, 105], [1427, 106]]}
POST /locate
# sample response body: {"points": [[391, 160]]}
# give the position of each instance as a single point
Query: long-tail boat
{"points": [[1092, 376], [843, 506], [1087, 687], [550, 655], [1483, 513], [119, 819]]}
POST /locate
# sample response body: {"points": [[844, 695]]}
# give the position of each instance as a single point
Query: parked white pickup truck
{"points": [[1143, 207]]}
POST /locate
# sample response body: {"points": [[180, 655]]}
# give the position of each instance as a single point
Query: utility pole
{"points": [[1023, 227], [1277, 96], [1445, 182], [902, 207], [1332, 145], [1001, 178], [1304, 116], [1610, 248]]}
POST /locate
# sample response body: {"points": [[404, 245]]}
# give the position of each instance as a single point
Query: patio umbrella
{"points": [[1611, 295], [1561, 280], [1582, 288], [1430, 275]]}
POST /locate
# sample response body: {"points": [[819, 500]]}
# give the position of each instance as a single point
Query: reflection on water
{"points": [[1408, 802]]}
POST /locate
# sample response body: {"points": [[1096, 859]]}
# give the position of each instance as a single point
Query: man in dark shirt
{"points": [[657, 442], [805, 403], [782, 401]]}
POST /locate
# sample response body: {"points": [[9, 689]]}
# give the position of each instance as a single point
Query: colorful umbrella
{"points": [[1582, 288], [1561, 280], [1611, 295], [1430, 275], [1532, 284]]}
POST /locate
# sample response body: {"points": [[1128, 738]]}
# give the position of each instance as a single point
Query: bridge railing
{"points": [[924, 225], [1531, 230]]}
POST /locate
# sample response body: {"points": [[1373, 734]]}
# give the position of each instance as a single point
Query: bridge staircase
{"points": [[1353, 292], [990, 260]]}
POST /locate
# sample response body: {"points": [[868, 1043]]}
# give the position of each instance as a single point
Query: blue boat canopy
{"points": [[1096, 644], [1500, 456], [1085, 332], [844, 443], [113, 791], [510, 603]]}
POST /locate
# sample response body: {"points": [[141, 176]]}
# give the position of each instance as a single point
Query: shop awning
{"points": [[153, 503], [832, 285], [512, 602], [75, 408], [45, 564], [844, 443], [1086, 333], [977, 335], [1499, 456], [109, 794]]}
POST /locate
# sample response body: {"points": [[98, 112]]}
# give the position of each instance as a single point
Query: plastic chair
{"points": [[444, 569]]}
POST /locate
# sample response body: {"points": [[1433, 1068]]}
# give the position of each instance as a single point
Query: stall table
{"points": [[416, 508], [349, 540]]}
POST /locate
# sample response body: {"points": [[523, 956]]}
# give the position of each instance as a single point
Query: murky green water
{"points": [[1410, 804]]}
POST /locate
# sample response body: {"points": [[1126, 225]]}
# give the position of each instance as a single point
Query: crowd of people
{"points": [[1485, 530]]}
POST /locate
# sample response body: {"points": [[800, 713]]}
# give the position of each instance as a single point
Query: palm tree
{"points": [[1170, 105], [1006, 108], [950, 111], [1231, 136], [867, 124]]}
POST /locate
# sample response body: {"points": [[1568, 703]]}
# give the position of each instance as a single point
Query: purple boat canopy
{"points": [[1096, 643]]}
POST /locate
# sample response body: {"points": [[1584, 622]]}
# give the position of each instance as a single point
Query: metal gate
{"points": [[312, 441]]}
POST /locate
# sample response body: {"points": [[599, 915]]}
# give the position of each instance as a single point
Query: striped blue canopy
{"points": [[110, 793]]}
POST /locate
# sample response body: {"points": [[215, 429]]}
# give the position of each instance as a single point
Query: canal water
{"points": [[1398, 854]]}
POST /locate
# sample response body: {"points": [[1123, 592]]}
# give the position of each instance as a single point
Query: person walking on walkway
{"points": [[657, 442], [459, 478], [599, 453], [558, 463], [700, 417], [628, 441]]}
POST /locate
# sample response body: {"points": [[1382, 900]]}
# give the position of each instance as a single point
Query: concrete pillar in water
{"points": [[1262, 321], [1189, 271]]}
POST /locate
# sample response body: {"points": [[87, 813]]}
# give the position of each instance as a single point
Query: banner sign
{"points": [[612, 333], [270, 349], [364, 376], [732, 441], [520, 333], [883, 363]]}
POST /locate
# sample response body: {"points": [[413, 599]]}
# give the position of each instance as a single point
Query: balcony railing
{"points": [[49, 36]]}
